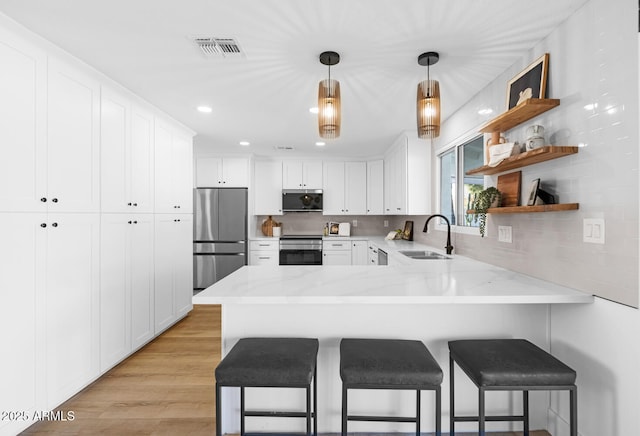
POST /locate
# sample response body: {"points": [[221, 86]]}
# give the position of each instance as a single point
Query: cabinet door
{"points": [[400, 178], [141, 160], [375, 187], [71, 304], [140, 278], [115, 141], [235, 172], [359, 253], [183, 171], [22, 135], [341, 257], [209, 172], [173, 170], [312, 175], [115, 291], [73, 142], [183, 265], [333, 189], [292, 175], [355, 194], [21, 265], [267, 192]]}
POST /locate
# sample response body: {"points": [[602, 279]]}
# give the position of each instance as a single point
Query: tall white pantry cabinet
{"points": [[95, 204]]}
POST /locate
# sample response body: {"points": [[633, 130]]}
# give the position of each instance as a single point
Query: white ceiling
{"points": [[265, 96]]}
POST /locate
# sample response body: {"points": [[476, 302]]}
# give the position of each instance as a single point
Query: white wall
{"points": [[593, 59]]}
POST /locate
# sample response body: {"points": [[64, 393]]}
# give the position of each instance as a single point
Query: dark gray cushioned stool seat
{"points": [[388, 364], [270, 363], [509, 365]]}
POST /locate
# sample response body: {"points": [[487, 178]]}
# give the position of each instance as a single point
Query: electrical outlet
{"points": [[354, 223], [504, 234], [385, 223], [593, 230]]}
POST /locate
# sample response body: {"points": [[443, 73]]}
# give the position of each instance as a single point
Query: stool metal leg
{"points": [[308, 409], [242, 411], [418, 412], [481, 417], [573, 414], [218, 413], [344, 410], [525, 410], [452, 430], [438, 412], [315, 401]]}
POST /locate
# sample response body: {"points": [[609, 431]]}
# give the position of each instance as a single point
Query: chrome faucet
{"points": [[449, 247]]}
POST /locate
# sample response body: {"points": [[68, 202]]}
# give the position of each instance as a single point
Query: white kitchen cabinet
{"points": [[375, 187], [264, 252], [336, 252], [267, 188], [222, 172], [173, 267], [359, 252], [71, 301], [407, 169], [22, 135], [73, 140], [21, 317], [173, 169], [126, 285], [301, 174], [345, 188], [126, 155]]}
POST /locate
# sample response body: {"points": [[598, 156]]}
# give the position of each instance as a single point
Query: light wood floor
{"points": [[166, 388]]}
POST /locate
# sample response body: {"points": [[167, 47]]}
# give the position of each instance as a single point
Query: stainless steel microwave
{"points": [[302, 200]]}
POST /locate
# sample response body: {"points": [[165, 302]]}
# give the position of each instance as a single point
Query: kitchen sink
{"points": [[423, 255]]}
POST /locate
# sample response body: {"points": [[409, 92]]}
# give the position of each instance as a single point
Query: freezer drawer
{"points": [[209, 268], [219, 247]]}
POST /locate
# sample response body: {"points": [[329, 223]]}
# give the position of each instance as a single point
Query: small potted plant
{"points": [[489, 197]]}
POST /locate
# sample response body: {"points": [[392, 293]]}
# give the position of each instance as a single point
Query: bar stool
{"points": [[388, 364], [270, 363], [509, 365]]}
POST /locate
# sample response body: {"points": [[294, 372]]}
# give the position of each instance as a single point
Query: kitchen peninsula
{"points": [[430, 300]]}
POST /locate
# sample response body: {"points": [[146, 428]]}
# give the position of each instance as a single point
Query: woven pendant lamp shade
{"points": [[329, 108], [428, 109]]}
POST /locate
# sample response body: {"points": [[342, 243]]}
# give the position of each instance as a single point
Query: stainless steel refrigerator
{"points": [[219, 234]]}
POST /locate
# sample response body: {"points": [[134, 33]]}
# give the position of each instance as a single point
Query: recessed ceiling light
{"points": [[314, 110], [245, 143], [320, 144], [205, 109]]}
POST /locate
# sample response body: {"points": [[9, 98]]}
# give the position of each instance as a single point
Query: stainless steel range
{"points": [[301, 250]]}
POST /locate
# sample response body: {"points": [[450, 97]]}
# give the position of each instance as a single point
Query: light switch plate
{"points": [[504, 234], [593, 230]]}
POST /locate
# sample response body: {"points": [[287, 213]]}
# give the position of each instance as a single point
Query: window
{"points": [[457, 190]]}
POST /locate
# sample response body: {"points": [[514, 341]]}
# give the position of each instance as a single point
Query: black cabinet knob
{"points": [[128, 204], [135, 222], [43, 225], [55, 200], [128, 222], [43, 199], [54, 225], [135, 204]]}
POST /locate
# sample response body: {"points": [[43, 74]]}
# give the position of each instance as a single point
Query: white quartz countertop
{"points": [[459, 280]]}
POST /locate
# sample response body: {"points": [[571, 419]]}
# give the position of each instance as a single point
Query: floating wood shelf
{"points": [[534, 156], [519, 114], [532, 209]]}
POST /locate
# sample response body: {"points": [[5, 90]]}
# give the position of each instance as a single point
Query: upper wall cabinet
{"points": [[345, 188], [267, 188], [126, 155], [407, 170], [73, 141], [222, 172], [173, 169], [375, 187], [301, 175], [23, 103]]}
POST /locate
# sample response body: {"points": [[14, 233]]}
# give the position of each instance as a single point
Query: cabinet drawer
{"points": [[264, 258], [336, 245], [265, 245]]}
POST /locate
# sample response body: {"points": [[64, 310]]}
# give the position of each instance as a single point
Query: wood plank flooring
{"points": [[166, 388]]}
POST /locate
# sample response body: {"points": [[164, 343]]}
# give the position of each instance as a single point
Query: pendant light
{"points": [[428, 100], [329, 100]]}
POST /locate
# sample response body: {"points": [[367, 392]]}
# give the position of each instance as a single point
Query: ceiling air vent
{"points": [[218, 47], [283, 147]]}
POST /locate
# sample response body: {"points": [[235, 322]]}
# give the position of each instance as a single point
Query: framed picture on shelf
{"points": [[529, 83], [334, 229], [407, 233], [533, 192]]}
